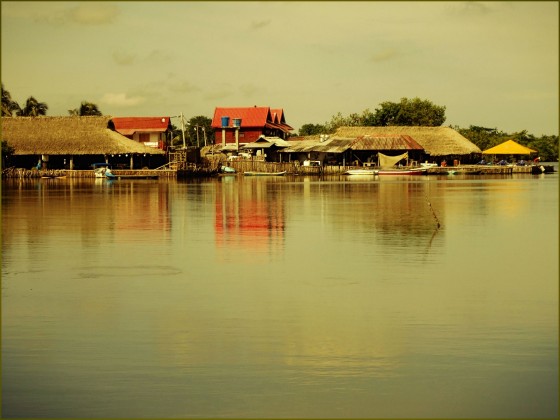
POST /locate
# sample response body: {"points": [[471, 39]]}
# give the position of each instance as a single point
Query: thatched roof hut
{"points": [[436, 141], [68, 136]]}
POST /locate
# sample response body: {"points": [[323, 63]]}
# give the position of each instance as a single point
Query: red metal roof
{"points": [[251, 117], [130, 125]]}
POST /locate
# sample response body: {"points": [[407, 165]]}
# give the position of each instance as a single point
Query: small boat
{"points": [[253, 173], [99, 169], [428, 165], [465, 171], [109, 174], [227, 170], [362, 172], [414, 171]]}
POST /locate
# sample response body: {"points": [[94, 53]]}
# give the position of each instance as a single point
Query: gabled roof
{"points": [[436, 141], [250, 117], [130, 125], [509, 147], [68, 136]]}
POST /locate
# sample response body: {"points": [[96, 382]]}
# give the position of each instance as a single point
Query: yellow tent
{"points": [[509, 148]]}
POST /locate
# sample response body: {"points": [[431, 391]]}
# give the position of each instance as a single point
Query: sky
{"points": [[491, 64]]}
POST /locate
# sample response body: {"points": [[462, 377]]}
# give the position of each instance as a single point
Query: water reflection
{"points": [[249, 214], [291, 297]]}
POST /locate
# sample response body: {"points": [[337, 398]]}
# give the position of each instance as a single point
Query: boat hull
{"points": [[362, 172], [251, 173], [419, 171]]}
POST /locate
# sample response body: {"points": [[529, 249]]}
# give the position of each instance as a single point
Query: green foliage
{"points": [[7, 151], [311, 129], [9, 106], [547, 147], [409, 112], [485, 138], [86, 108], [33, 108], [197, 129]]}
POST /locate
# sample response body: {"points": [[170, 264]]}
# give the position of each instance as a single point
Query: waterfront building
{"points": [[74, 142]]}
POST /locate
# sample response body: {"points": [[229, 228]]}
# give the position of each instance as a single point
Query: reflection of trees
{"points": [[249, 214], [396, 213]]}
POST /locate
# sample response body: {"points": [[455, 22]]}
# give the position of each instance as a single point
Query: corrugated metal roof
{"points": [[314, 145], [130, 125], [251, 117]]}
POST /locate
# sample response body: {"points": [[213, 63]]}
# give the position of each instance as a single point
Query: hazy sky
{"points": [[493, 64]]}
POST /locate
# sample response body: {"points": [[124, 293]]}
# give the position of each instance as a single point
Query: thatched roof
{"points": [[436, 141], [385, 142], [68, 136]]}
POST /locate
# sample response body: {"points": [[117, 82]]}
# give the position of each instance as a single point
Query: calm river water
{"points": [[281, 297]]}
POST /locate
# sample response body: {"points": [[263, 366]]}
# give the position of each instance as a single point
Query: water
{"points": [[281, 297]]}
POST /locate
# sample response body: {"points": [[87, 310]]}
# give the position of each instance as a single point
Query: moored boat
{"points": [[227, 169], [255, 173], [99, 169], [362, 172], [411, 171]]}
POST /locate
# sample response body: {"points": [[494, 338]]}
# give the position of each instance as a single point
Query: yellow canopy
{"points": [[509, 148]]}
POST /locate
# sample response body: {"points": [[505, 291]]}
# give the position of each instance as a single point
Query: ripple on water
{"points": [[128, 271]]}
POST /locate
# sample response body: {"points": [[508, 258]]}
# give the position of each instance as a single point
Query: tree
{"points": [[198, 128], [33, 108], [409, 112], [311, 129], [9, 106], [547, 147], [86, 108], [483, 137], [7, 151]]}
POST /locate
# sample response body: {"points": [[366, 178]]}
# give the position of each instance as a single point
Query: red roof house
{"points": [[254, 122], [152, 131]]}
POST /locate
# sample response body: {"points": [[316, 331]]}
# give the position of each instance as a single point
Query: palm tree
{"points": [[8, 105], [86, 108], [33, 108]]}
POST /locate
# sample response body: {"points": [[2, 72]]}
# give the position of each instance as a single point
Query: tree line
{"points": [[407, 112]]}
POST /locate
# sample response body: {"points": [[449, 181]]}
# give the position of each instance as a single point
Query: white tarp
{"points": [[390, 161]]}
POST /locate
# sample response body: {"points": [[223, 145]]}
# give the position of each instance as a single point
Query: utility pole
{"points": [[183, 131]]}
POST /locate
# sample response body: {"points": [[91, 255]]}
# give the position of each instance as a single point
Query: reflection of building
{"points": [[249, 216]]}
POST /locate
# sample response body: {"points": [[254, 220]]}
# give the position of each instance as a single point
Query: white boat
{"points": [[254, 173], [227, 169], [100, 169], [404, 171], [362, 172]]}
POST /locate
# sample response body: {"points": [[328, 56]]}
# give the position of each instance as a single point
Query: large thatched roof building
{"points": [[71, 138], [436, 141], [68, 136]]}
